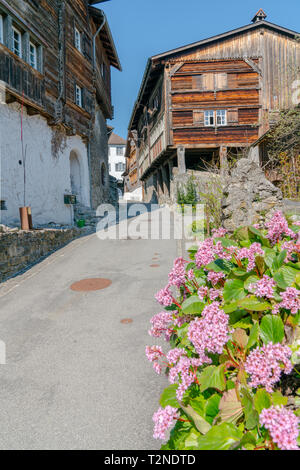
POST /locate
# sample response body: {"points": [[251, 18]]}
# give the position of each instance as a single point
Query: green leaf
{"points": [[212, 407], [285, 277], [278, 399], [253, 304], [212, 377], [200, 423], [192, 305], [261, 400], [244, 323], [269, 257], [220, 265], [260, 236], [191, 441], [168, 397], [234, 290], [250, 413], [271, 329], [279, 260], [225, 436], [230, 407], [253, 337]]}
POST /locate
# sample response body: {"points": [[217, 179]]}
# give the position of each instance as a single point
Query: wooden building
{"points": [[199, 102], [132, 183], [55, 62]]}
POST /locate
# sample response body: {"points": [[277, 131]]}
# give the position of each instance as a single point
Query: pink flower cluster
{"points": [[180, 369], [210, 332], [265, 365], [264, 287], [163, 420], [219, 233], [290, 301], [250, 254], [154, 353], [177, 275], [214, 277], [164, 297], [278, 227], [161, 325], [205, 253], [282, 425]]}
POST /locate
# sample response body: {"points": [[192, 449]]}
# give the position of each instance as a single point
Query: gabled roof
{"points": [[94, 2], [116, 140], [154, 63], [233, 32], [106, 36]]}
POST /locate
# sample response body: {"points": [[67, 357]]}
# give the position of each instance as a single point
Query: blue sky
{"points": [[142, 28]]}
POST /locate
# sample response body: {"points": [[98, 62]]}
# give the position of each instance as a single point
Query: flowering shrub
{"points": [[232, 320]]}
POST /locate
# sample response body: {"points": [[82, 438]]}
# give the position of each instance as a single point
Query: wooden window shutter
{"points": [[198, 117], [208, 81], [197, 82], [232, 116], [221, 80]]}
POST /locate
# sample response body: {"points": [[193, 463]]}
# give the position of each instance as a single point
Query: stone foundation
{"points": [[20, 249]]}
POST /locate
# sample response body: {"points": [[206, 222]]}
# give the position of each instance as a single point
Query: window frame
{"points": [[78, 102], [118, 150], [77, 39], [222, 113], [19, 33], [207, 118], [35, 64]]}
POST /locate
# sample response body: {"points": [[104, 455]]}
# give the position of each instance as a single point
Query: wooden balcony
{"points": [[21, 82]]}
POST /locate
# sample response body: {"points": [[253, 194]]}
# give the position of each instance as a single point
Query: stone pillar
{"points": [[223, 161], [254, 154], [166, 181], [181, 159], [171, 165]]}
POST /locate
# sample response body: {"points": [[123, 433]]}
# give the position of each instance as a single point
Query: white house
{"points": [[116, 157]]}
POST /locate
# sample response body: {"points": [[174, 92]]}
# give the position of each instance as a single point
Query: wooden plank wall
{"points": [[210, 85]]}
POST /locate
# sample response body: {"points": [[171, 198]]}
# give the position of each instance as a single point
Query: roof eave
{"points": [[97, 14], [225, 35]]}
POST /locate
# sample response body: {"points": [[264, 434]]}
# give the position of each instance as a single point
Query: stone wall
{"points": [[20, 249], [248, 197]]}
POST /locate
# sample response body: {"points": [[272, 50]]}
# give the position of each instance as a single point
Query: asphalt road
{"points": [[75, 376]]}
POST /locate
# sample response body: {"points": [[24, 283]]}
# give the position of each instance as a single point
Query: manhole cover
{"points": [[154, 265], [125, 321], [86, 285]]}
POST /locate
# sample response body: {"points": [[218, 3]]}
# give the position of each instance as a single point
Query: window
{"points": [[1, 29], [215, 118], [17, 42], [120, 151], [78, 96], [120, 166], [77, 40], [209, 118], [33, 55], [221, 117]]}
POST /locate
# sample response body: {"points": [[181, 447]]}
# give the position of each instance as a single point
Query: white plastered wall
{"points": [[47, 171]]}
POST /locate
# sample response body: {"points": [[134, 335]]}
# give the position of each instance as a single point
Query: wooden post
{"points": [[181, 159], [223, 161]]}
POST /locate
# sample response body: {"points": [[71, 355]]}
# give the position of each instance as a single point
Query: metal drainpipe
{"points": [[94, 68]]}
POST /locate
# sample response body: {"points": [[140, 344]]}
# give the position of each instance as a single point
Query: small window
{"points": [[120, 166], [221, 117], [77, 40], [33, 55], [78, 96], [17, 42], [209, 118], [120, 151], [1, 29]]}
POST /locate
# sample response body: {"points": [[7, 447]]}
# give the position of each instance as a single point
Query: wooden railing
{"points": [[18, 77]]}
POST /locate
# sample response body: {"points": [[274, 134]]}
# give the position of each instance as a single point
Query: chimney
{"points": [[259, 16]]}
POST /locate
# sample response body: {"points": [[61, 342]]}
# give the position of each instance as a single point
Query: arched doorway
{"points": [[75, 173]]}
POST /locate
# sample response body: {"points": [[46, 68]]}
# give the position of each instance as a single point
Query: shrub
{"points": [[233, 329]]}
